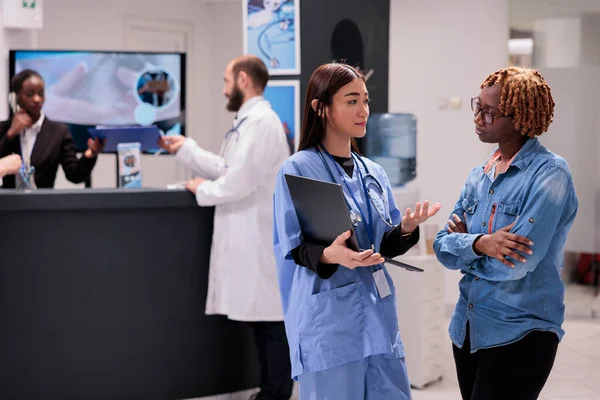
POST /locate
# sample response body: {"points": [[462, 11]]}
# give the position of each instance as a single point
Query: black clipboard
{"points": [[323, 214]]}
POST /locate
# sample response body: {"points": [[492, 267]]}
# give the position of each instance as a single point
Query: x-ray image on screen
{"points": [[86, 89]]}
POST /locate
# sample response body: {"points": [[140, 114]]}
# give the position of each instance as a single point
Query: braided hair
{"points": [[527, 95]]}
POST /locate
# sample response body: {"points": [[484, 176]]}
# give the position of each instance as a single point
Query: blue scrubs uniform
{"points": [[343, 336]]}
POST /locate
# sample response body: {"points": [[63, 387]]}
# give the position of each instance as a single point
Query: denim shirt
{"points": [[503, 304]]}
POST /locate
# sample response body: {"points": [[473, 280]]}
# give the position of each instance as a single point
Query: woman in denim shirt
{"points": [[506, 235]]}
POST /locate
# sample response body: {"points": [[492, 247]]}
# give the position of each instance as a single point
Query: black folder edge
{"points": [[400, 264], [388, 260]]}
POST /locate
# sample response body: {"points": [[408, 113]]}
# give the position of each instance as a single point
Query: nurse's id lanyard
{"points": [[378, 275]]}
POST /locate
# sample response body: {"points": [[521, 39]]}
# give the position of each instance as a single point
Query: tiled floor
{"points": [[576, 373]]}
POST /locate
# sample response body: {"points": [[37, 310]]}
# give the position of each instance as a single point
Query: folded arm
{"points": [[455, 250], [550, 202]]}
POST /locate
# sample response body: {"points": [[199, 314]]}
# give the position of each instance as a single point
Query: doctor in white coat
{"points": [[240, 182]]}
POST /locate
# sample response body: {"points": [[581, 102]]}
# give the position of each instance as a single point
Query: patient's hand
{"points": [[456, 225]]}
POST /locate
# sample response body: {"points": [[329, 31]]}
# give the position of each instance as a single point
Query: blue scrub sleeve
{"points": [[287, 232]]}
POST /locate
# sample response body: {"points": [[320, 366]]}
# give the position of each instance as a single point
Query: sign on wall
{"points": [[284, 97], [272, 32], [22, 14]]}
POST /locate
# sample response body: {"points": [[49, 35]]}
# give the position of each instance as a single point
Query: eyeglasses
{"points": [[487, 117]]}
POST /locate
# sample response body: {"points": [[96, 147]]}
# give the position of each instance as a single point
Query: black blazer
{"points": [[53, 145]]}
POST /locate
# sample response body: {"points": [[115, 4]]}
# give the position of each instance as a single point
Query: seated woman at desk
{"points": [[41, 143]]}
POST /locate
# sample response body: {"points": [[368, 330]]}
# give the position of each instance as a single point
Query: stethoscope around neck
{"points": [[366, 181], [234, 131], [230, 133]]}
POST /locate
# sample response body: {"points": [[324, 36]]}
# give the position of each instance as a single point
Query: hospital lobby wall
{"points": [[350, 30]]}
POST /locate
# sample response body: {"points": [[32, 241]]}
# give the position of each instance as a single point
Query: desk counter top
{"points": [[94, 199]]}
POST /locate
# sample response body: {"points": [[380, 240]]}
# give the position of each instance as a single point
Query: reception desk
{"points": [[102, 295]]}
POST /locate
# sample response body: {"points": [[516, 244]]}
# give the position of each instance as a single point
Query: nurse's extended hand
{"points": [[339, 253], [410, 221]]}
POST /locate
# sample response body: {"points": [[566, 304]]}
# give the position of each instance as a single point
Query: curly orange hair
{"points": [[525, 93]]}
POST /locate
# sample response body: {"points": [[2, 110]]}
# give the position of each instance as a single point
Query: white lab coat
{"points": [[243, 277]]}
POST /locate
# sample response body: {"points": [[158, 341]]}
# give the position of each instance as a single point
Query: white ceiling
{"points": [[523, 12]]}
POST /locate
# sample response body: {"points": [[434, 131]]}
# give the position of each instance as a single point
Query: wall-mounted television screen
{"points": [[87, 89]]}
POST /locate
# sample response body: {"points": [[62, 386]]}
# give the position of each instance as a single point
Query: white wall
{"points": [[590, 43], [574, 135], [10, 38], [557, 42], [567, 42], [227, 45], [441, 49]]}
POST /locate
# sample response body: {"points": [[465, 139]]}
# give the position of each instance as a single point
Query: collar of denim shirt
{"points": [[523, 157]]}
